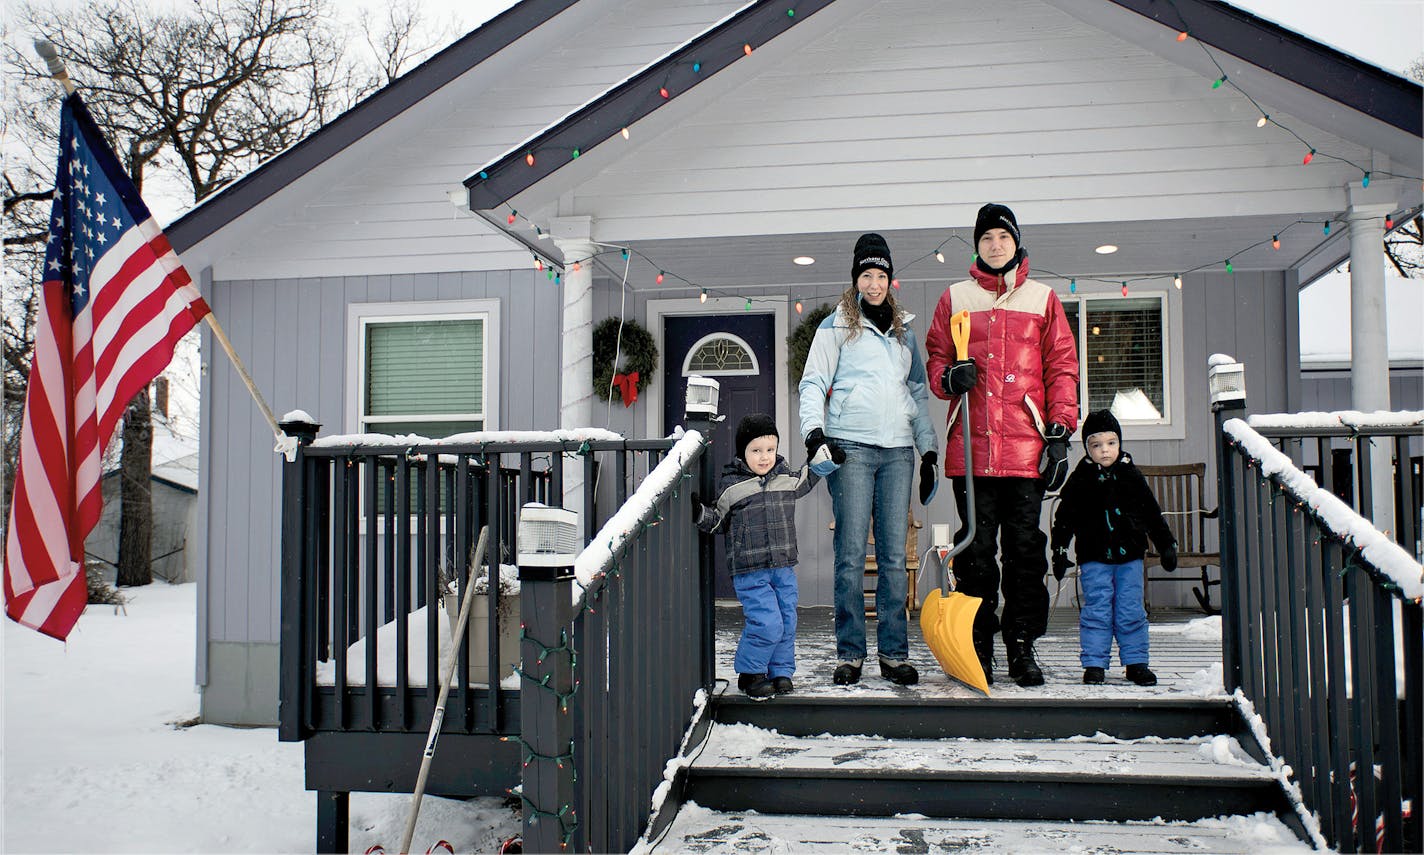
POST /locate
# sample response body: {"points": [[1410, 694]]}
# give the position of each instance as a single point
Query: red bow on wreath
{"points": [[627, 387]]}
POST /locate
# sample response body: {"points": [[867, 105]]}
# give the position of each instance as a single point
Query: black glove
{"points": [[1169, 559], [929, 478], [696, 508], [817, 438], [1053, 464], [1061, 562], [959, 377]]}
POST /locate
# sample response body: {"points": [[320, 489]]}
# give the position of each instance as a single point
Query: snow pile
{"points": [[1220, 359], [1335, 515], [1280, 769], [598, 555]]}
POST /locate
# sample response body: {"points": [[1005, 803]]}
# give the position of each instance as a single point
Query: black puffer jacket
{"points": [[1111, 511], [758, 513]]}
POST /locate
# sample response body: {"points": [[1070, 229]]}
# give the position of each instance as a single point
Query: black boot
{"points": [[899, 673], [757, 686], [1094, 676], [783, 685], [1141, 675], [984, 649], [846, 674], [1022, 667]]}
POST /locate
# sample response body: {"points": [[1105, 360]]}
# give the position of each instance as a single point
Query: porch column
{"points": [[573, 237], [1369, 342]]}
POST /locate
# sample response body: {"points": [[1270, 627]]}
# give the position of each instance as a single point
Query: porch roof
{"points": [[1209, 190]]}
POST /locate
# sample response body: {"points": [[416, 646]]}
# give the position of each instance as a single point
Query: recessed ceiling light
{"points": [[1106, 249], [804, 260]]}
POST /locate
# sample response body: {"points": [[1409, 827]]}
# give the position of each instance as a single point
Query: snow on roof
{"points": [[1325, 320]]}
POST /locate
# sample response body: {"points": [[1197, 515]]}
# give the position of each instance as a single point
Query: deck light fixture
{"points": [[700, 400], [1227, 379]]}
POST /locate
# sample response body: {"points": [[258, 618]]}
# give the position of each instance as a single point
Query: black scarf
{"points": [[882, 315], [1000, 271]]}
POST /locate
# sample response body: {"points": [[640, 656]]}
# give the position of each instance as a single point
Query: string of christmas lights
{"points": [[555, 271]]}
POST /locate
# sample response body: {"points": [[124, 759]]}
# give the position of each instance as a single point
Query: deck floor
{"points": [[1185, 654]]}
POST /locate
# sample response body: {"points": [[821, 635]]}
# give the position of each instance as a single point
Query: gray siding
{"points": [[292, 335]]}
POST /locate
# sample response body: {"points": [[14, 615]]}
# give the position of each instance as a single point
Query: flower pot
{"points": [[477, 633]]}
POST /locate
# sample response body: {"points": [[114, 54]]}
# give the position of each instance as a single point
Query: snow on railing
{"points": [[1350, 419], [596, 558], [1334, 515]]}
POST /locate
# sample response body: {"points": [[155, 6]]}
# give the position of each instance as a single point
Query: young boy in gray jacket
{"points": [[756, 507]]}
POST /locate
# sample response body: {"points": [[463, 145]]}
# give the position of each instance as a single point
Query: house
{"points": [[716, 142]]}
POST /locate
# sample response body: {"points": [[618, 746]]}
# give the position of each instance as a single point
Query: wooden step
{"points": [[748, 768], [700, 830]]}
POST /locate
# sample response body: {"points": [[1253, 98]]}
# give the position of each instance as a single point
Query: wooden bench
{"points": [[912, 564], [1180, 490]]}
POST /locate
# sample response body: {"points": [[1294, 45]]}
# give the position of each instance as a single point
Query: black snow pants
{"points": [[1006, 515]]}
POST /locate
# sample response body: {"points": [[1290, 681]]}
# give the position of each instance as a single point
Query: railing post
{"points": [[1228, 400], [294, 624], [700, 413], [546, 728]]}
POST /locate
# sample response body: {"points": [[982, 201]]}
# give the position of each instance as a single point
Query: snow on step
{"points": [[742, 746], [700, 830]]}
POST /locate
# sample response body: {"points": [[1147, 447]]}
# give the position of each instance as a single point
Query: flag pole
{"points": [[285, 444]]}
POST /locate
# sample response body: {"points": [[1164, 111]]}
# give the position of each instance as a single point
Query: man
{"points": [[1021, 379]]}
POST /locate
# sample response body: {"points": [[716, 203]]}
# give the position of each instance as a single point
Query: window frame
{"points": [[722, 372], [1172, 425], [360, 316]]}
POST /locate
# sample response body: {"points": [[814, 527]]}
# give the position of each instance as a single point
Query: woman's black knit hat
{"points": [[871, 250], [754, 426]]}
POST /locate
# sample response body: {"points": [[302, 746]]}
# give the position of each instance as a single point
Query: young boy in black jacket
{"points": [[1109, 508], [756, 505]]}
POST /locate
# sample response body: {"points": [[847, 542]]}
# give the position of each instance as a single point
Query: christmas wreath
{"points": [[798, 344], [639, 359]]}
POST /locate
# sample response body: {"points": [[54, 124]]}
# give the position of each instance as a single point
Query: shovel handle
{"points": [[959, 331]]}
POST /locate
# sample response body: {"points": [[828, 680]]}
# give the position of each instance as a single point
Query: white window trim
{"points": [[775, 305], [360, 315], [733, 372], [1173, 424]]}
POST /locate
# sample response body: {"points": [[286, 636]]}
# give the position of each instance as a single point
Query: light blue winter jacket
{"points": [[869, 389]]}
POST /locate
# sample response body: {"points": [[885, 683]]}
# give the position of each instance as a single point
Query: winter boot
{"points": [[899, 672], [783, 685], [846, 674], [984, 649], [757, 686], [1141, 675], [1093, 676], [1022, 667]]}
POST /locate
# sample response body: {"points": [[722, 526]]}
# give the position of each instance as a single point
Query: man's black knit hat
{"points": [[754, 426], [996, 216], [1101, 421], [871, 250]]}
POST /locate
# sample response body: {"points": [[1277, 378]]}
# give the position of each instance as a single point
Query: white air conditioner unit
{"points": [[547, 537]]}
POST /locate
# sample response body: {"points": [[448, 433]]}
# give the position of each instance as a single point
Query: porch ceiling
{"points": [[1162, 247]]}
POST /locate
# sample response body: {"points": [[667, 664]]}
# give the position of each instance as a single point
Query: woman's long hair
{"points": [[850, 308]]}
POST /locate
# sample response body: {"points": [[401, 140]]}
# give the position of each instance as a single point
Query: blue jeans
{"points": [[873, 482], [1112, 607], [768, 644]]}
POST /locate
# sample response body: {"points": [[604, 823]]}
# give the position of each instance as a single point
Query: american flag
{"points": [[114, 302]]}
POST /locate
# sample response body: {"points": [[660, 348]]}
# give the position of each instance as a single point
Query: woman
{"points": [[865, 405]]}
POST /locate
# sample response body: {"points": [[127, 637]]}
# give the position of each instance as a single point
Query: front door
{"points": [[737, 351]]}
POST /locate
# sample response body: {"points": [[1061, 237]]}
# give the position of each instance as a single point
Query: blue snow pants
{"points": [[768, 644], [1112, 607]]}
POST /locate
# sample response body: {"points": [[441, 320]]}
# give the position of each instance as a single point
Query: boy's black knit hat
{"points": [[996, 216], [871, 250], [754, 426], [1101, 421]]}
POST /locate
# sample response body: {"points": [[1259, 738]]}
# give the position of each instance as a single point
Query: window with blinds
{"points": [[425, 377], [1120, 354]]}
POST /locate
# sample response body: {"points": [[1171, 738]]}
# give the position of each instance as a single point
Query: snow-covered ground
{"points": [[99, 756]]}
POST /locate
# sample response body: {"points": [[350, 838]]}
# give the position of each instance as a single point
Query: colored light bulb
{"points": [[484, 174], [663, 91], [939, 256], [748, 305], [510, 219], [1365, 182], [1177, 280], [703, 298], [1326, 229], [576, 154], [1182, 36], [798, 307], [1275, 241], [1261, 122], [1216, 84], [1072, 286], [660, 277], [577, 267], [1124, 289], [1229, 268], [1309, 156], [696, 67], [1389, 222], [747, 49], [529, 158], [625, 133], [895, 283]]}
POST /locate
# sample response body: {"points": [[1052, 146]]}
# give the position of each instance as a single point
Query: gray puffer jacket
{"points": [[758, 513]]}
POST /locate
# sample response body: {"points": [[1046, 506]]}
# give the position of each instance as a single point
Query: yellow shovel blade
{"points": [[948, 626]]}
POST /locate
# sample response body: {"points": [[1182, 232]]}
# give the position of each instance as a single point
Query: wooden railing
{"points": [[1321, 633]]}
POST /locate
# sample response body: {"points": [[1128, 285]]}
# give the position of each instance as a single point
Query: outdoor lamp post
{"points": [[700, 413], [1226, 378]]}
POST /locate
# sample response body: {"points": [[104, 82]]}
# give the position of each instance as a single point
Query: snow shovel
{"points": [[445, 679], [947, 616]]}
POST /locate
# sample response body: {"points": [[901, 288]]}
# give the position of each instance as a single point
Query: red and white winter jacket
{"points": [[1028, 370]]}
